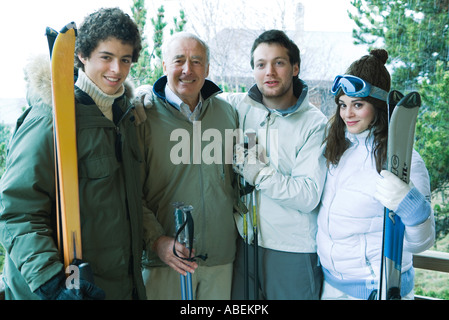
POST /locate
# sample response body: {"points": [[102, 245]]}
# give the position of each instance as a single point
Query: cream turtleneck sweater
{"points": [[102, 100]]}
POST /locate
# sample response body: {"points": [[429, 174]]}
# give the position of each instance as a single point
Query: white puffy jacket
{"points": [[350, 219], [288, 198]]}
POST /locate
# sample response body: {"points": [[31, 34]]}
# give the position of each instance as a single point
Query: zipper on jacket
{"points": [[118, 144], [267, 119], [370, 267], [118, 134]]}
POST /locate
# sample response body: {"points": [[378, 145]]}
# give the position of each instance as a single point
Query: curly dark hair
{"points": [[103, 24]]}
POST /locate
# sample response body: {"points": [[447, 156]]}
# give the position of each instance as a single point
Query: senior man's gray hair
{"points": [[185, 35]]}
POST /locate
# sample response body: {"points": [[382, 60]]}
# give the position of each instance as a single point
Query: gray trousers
{"points": [[281, 275]]}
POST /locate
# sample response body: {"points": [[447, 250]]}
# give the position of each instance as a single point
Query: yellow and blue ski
{"points": [[62, 49]]}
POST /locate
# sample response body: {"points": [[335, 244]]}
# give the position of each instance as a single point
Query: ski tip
{"points": [[394, 97], [67, 27], [50, 32], [411, 100], [51, 35]]}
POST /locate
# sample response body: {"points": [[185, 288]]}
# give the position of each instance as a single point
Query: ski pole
{"points": [[181, 238], [187, 210], [256, 246], [245, 256], [246, 188], [251, 135]]}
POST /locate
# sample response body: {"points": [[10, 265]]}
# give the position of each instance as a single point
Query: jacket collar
{"points": [[366, 137], [39, 87], [208, 90], [300, 90]]}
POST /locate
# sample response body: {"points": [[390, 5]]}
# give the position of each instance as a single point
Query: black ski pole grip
{"points": [[86, 272]]}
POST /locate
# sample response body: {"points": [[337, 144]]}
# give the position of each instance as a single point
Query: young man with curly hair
{"points": [[108, 43]]}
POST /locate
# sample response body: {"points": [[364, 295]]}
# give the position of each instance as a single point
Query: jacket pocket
{"points": [[98, 168]]}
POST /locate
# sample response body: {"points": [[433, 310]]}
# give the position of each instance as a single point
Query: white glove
{"points": [[249, 162], [390, 190], [143, 95], [141, 101]]}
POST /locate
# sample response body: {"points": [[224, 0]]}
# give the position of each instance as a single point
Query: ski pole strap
{"points": [[189, 224], [245, 188]]}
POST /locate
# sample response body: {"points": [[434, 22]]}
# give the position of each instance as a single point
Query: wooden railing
{"points": [[431, 260]]}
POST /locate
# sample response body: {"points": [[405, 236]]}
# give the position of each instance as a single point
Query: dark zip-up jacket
{"points": [[109, 190]]}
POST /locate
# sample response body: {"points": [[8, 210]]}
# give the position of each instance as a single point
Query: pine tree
{"points": [[158, 24], [142, 68], [5, 133], [179, 25], [149, 67], [414, 32], [433, 127]]}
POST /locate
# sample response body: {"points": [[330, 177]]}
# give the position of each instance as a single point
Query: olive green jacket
{"points": [[186, 162], [109, 191]]}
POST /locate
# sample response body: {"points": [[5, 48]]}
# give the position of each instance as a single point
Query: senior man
{"points": [[183, 142]]}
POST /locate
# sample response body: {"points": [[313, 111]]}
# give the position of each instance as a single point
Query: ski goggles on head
{"points": [[356, 87]]}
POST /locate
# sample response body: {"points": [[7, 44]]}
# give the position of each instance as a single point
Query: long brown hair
{"points": [[370, 68]]}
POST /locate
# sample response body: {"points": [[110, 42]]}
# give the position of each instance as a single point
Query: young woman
{"points": [[350, 219]]}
